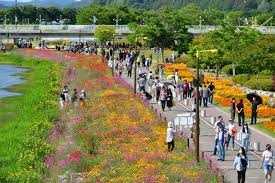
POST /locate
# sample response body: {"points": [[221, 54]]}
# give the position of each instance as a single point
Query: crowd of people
{"points": [[165, 92], [73, 97]]}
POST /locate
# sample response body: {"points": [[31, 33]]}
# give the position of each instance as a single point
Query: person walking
{"points": [[65, 91], [200, 95], [254, 111], [169, 99], [74, 96], [240, 111], [170, 137], [190, 91], [179, 90], [62, 100], [158, 89], [241, 164], [82, 98], [185, 89], [221, 143], [233, 109], [205, 95], [141, 83], [245, 136], [218, 124], [120, 68], [232, 131], [162, 97], [211, 89], [268, 163]]}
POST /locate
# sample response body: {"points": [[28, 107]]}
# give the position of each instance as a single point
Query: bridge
{"points": [[84, 32]]}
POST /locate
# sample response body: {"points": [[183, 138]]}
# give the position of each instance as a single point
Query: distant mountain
{"points": [[5, 4], [245, 5]]}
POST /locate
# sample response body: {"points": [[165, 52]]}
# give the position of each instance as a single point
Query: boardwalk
{"points": [[254, 173]]}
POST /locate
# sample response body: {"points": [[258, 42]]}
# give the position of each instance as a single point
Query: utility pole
{"points": [[197, 129], [198, 109]]}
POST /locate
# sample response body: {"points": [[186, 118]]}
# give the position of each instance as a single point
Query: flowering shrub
{"points": [[124, 141], [225, 91]]}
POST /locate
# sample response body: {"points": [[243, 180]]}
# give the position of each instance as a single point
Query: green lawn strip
{"points": [[265, 130], [27, 120]]}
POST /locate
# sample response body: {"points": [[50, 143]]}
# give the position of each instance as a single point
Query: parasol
{"points": [[258, 98]]}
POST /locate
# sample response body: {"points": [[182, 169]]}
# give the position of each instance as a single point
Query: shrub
{"points": [[241, 79], [259, 84]]}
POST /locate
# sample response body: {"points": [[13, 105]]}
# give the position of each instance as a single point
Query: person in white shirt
{"points": [[241, 164], [170, 138], [268, 163]]}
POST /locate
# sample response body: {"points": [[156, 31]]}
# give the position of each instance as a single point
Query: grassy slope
{"points": [[25, 120]]}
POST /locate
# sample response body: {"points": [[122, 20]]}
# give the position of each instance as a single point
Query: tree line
{"points": [[192, 14]]}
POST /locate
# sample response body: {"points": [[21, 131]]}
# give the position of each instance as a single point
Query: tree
{"points": [[191, 14], [234, 17], [166, 31], [104, 33]]}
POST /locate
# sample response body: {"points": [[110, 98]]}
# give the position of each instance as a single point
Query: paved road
{"points": [[254, 173]]}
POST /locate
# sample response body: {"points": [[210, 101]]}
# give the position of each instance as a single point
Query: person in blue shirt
{"points": [[241, 164]]}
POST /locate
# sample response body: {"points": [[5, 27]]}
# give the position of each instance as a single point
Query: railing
{"points": [[120, 29]]}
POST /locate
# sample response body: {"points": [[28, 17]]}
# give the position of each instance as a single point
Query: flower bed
{"points": [[123, 141], [225, 91]]}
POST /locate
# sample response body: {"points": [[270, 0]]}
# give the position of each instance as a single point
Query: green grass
{"points": [[265, 130], [26, 120]]}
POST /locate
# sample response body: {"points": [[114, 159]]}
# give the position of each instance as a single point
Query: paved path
{"points": [[254, 173]]}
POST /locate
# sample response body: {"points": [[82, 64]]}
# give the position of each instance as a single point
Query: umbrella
{"points": [[258, 98], [143, 75]]}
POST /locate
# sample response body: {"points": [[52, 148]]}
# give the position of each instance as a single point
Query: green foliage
{"points": [[30, 14], [104, 33], [165, 31], [246, 48], [258, 82], [106, 15], [24, 136]]}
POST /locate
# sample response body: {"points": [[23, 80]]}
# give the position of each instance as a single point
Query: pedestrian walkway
{"points": [[254, 173]]}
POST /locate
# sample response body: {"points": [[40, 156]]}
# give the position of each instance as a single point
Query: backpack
{"points": [[244, 163]]}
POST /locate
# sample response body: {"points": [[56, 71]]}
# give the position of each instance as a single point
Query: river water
{"points": [[9, 77]]}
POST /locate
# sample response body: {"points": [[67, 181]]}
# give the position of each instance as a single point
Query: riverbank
{"points": [[26, 120], [114, 137]]}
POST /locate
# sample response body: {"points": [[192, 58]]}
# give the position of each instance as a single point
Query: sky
{"points": [[18, 0]]}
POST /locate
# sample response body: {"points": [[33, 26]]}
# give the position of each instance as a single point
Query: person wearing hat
{"points": [[268, 163], [170, 138]]}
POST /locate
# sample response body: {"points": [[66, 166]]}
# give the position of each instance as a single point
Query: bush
{"points": [[259, 84], [266, 73], [227, 69], [241, 79]]}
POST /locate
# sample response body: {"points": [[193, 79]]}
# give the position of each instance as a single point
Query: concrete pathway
{"points": [[254, 173]]}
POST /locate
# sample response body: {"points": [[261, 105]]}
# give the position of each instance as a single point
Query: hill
{"points": [[246, 5]]}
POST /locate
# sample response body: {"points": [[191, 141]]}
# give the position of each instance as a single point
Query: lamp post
{"points": [[197, 130], [113, 56]]}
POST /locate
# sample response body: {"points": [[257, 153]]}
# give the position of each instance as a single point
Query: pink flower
{"points": [[49, 161], [75, 157]]}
